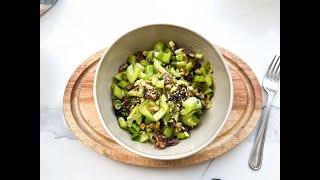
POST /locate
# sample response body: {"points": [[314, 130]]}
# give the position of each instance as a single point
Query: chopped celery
{"points": [[189, 66], [199, 56], [166, 118], [150, 136], [208, 79], [138, 84], [167, 131], [118, 92], [122, 123], [135, 135], [163, 108], [143, 138], [208, 91], [123, 84], [149, 69], [135, 93], [181, 57], [158, 67], [117, 104], [132, 73], [178, 64], [144, 110], [198, 78], [182, 135], [159, 46], [134, 116], [191, 104], [142, 75], [205, 68], [190, 120], [138, 65], [149, 56], [156, 82], [135, 127], [119, 76], [144, 63], [164, 57], [174, 72], [132, 59], [148, 130]]}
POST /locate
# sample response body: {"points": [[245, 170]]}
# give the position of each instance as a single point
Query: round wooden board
{"points": [[82, 117]]}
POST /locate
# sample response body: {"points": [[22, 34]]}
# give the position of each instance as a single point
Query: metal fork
{"points": [[270, 84]]}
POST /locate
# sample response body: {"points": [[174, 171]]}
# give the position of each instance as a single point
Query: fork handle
{"points": [[256, 154]]}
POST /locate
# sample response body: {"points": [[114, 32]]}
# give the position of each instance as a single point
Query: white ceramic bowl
{"points": [[144, 38]]}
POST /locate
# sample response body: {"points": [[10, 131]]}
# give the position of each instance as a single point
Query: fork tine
{"points": [[269, 71], [277, 75], [274, 69]]}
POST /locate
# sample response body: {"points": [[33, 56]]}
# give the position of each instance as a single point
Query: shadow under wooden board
{"points": [[82, 117]]}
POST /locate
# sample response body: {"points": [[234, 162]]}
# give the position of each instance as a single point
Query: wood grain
{"points": [[83, 120]]}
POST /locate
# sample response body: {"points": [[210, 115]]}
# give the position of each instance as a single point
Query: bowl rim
{"points": [[162, 157]]}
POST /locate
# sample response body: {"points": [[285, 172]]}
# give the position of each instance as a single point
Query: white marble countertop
{"points": [[74, 29]]}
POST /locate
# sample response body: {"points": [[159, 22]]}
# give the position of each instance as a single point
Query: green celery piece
{"points": [[189, 66], [136, 127], [150, 137], [191, 104], [122, 123], [135, 135], [148, 130], [142, 75], [159, 46], [198, 78], [190, 120], [149, 56], [143, 138], [149, 69], [205, 67], [167, 131], [132, 59], [135, 93], [166, 118], [178, 64], [156, 82], [117, 104], [163, 108], [134, 115], [138, 65], [181, 56], [118, 92], [144, 110], [144, 63], [199, 56], [208, 79], [164, 57], [119, 76], [132, 73], [138, 93], [123, 84], [158, 67], [147, 121], [182, 135], [174, 72], [207, 90]]}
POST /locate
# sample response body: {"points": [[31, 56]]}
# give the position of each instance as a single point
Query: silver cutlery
{"points": [[270, 84]]}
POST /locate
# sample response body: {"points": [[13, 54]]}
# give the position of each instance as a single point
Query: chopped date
{"points": [[172, 141], [123, 67]]}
